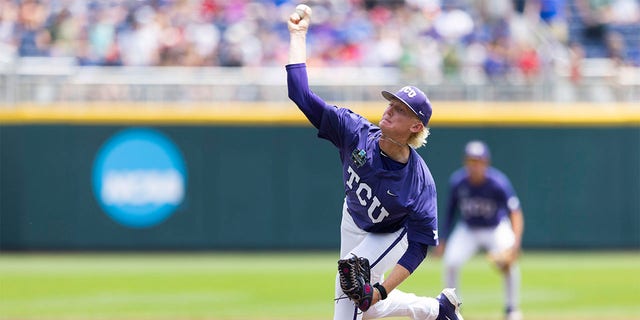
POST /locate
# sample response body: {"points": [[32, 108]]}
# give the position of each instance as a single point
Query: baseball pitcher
{"points": [[389, 216]]}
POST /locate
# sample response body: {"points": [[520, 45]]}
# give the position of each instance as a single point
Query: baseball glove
{"points": [[355, 278], [502, 259]]}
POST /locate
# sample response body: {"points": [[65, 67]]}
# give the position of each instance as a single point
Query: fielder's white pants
{"points": [[383, 251], [465, 242]]}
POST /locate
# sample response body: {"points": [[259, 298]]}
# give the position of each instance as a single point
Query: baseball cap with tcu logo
{"points": [[415, 99]]}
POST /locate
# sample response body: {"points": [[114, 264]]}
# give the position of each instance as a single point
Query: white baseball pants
{"points": [[383, 252], [465, 242]]}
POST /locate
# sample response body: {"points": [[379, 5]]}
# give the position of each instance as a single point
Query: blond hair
{"points": [[419, 139]]}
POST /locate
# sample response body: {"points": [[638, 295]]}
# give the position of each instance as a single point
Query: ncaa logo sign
{"points": [[139, 177]]}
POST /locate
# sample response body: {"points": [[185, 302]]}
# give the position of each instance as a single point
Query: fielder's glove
{"points": [[503, 259], [355, 277]]}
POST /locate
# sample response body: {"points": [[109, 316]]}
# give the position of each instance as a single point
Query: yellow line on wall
{"points": [[286, 113]]}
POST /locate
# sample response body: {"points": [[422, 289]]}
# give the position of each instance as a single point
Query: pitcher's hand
{"points": [[299, 20]]}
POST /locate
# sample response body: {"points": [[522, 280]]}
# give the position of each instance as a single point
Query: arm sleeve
{"points": [[415, 254], [422, 224], [299, 92], [507, 194], [511, 199], [452, 205]]}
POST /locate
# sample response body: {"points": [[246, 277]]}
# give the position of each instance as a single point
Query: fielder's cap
{"points": [[477, 149], [415, 99]]}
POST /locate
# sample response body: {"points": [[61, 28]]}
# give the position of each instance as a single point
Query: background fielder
{"points": [[490, 219], [389, 214]]}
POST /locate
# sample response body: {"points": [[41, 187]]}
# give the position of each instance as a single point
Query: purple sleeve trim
{"points": [[415, 254], [299, 92]]}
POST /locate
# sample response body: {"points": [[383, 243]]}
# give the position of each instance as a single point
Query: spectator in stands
{"points": [[595, 16], [243, 33], [625, 12], [528, 62], [576, 55], [552, 13], [496, 63], [102, 36], [8, 25], [616, 48], [32, 37]]}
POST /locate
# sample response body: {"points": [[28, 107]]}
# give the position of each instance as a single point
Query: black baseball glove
{"points": [[355, 278]]}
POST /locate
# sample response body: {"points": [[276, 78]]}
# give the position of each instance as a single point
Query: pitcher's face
{"points": [[397, 118]]}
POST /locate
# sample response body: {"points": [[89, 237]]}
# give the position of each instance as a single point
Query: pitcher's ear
{"points": [[417, 127]]}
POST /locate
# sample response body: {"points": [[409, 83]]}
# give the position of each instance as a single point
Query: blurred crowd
{"points": [[438, 39]]}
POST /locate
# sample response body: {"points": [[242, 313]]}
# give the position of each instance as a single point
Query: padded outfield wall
{"points": [[150, 177]]}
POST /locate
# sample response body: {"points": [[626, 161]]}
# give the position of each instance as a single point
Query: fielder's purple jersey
{"points": [[482, 205], [379, 200]]}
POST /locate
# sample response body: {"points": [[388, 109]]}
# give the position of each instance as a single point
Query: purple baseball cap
{"points": [[477, 149], [415, 99]]}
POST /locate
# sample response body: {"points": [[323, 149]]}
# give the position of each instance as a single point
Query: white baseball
{"points": [[301, 10]]}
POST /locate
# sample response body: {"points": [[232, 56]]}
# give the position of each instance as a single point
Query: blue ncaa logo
{"points": [[139, 177]]}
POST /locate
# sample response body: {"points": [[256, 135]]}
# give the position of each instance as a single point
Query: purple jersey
{"points": [[379, 200], [483, 205]]}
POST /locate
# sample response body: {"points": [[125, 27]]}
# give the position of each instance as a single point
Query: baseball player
{"points": [[389, 215], [491, 219]]}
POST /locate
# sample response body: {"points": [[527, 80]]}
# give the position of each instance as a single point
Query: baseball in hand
{"points": [[302, 10]]}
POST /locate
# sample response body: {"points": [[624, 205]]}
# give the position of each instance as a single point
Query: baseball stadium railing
{"points": [[55, 80]]}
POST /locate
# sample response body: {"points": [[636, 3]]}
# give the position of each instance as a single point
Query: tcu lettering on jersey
{"points": [[477, 207], [364, 194]]}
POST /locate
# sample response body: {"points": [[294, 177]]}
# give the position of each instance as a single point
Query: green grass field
{"points": [[558, 285]]}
